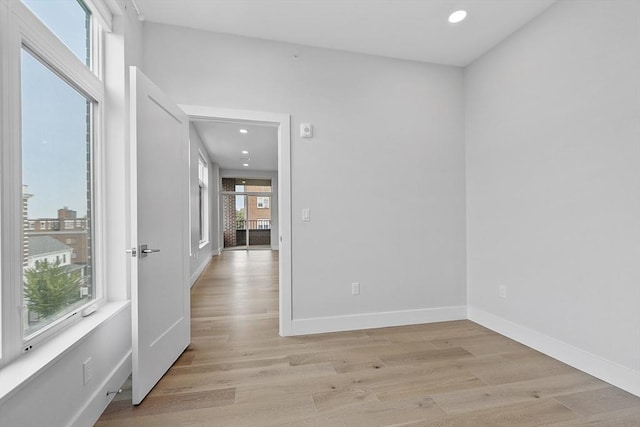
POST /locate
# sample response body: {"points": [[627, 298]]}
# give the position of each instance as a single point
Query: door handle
{"points": [[144, 251]]}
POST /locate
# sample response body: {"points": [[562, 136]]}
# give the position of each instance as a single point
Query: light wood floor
{"points": [[239, 372]]}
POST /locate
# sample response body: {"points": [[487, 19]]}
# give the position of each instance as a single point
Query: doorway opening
{"points": [[247, 168], [247, 214]]}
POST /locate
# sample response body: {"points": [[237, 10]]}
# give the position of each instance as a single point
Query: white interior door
{"points": [[159, 206]]}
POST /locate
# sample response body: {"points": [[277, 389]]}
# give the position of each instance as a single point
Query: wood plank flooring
{"points": [[239, 372]]}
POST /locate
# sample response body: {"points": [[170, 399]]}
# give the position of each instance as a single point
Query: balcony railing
{"points": [[253, 224]]}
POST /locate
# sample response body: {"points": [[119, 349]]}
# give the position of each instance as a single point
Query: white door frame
{"points": [[283, 122]]}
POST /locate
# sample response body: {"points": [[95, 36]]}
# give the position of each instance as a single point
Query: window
{"points": [[203, 200], [263, 202], [70, 20], [56, 143], [55, 123], [264, 224]]}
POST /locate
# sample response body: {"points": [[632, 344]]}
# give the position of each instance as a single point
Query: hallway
{"points": [[239, 372]]}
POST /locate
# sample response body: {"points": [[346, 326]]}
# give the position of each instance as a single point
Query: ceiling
{"points": [[225, 144], [405, 29]]}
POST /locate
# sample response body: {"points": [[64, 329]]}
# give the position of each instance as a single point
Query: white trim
{"points": [[196, 274], [116, 7], [10, 181], [93, 408], [102, 12], [353, 322], [204, 210], [244, 193], [283, 121], [611, 372]]}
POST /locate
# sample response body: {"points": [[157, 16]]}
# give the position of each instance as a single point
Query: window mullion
{"points": [[10, 177], [102, 13]]}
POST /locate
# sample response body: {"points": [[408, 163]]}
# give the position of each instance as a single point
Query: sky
{"points": [[54, 126]]}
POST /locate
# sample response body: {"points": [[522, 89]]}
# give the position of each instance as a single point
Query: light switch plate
{"points": [[306, 214]]}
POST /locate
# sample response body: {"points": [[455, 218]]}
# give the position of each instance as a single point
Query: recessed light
{"points": [[246, 165], [244, 182], [243, 131], [245, 152], [457, 16]]}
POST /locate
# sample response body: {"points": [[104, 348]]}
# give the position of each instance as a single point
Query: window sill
{"points": [[18, 373]]}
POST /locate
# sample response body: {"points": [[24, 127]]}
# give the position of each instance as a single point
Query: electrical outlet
{"points": [[355, 289], [87, 370], [502, 291]]}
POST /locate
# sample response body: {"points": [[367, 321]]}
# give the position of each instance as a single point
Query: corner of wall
{"points": [[200, 269], [613, 373], [91, 411]]}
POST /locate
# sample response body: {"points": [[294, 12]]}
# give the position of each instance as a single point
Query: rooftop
{"points": [[39, 245]]}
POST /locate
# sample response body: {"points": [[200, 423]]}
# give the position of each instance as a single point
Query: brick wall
{"points": [[229, 214]]}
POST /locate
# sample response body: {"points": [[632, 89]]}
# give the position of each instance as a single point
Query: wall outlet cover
{"points": [[355, 289], [502, 291]]}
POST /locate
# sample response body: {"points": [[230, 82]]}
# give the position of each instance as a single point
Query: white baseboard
{"points": [[196, 274], [376, 320], [90, 412], [613, 373]]}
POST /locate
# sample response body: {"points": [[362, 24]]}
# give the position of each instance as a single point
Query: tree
{"points": [[240, 214], [49, 287]]}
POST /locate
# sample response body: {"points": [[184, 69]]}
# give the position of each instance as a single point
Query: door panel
{"points": [[259, 221], [159, 205]]}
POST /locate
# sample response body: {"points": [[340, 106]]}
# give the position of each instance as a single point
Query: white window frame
{"points": [[203, 198], [20, 27], [263, 199]]}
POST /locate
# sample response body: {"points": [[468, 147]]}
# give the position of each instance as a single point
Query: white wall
{"points": [[383, 175], [553, 184], [200, 256], [57, 395]]}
